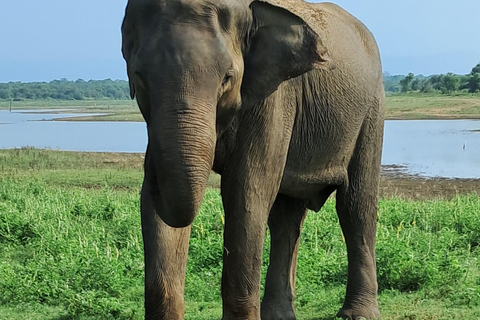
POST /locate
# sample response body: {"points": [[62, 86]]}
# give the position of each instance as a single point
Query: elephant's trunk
{"points": [[179, 159]]}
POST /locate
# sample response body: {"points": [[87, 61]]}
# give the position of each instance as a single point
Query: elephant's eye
{"points": [[228, 77]]}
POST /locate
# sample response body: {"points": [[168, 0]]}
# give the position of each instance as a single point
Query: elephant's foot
{"points": [[360, 312], [248, 314], [277, 311]]}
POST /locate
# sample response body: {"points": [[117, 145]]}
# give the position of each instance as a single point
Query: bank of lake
{"points": [[412, 106]]}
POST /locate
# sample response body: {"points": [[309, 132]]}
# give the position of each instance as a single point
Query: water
{"points": [[432, 148], [26, 129]]}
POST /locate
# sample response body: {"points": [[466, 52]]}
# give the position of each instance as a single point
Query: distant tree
{"points": [[444, 83], [415, 84], [392, 83], [406, 83], [474, 82], [437, 82], [426, 87], [5, 94], [5, 91], [464, 79], [64, 89], [451, 83], [476, 69], [418, 83]]}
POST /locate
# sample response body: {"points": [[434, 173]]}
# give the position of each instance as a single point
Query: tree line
{"points": [[119, 90], [65, 90], [442, 83]]}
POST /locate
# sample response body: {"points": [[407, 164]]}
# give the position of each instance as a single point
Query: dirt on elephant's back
{"points": [[396, 184]]}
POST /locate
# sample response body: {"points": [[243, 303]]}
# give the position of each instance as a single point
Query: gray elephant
{"points": [[284, 99]]}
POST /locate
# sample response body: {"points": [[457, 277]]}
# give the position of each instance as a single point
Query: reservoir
{"points": [[431, 148]]}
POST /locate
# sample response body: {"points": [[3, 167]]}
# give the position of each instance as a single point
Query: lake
{"points": [[432, 148], [28, 128]]}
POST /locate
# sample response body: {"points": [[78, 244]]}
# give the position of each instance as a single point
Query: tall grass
{"points": [[81, 249], [67, 168], [75, 247], [76, 250]]}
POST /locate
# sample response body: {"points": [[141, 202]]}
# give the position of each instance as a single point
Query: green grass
{"points": [[73, 169], [416, 106], [74, 251], [411, 106]]}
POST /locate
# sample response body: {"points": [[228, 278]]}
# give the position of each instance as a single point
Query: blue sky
{"points": [[53, 39]]}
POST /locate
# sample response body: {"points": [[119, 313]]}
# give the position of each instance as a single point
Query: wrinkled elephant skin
{"points": [[284, 99]]}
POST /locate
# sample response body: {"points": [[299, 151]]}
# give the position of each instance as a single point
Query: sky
{"points": [[54, 39]]}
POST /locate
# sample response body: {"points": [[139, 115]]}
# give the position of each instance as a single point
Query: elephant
{"points": [[284, 99]]}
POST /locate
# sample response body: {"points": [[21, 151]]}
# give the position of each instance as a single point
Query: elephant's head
{"points": [[192, 64]]}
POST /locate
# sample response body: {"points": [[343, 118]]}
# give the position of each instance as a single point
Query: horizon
{"points": [[55, 39], [385, 74]]}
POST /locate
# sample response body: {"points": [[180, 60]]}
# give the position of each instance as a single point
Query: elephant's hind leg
{"points": [[357, 205], [285, 222]]}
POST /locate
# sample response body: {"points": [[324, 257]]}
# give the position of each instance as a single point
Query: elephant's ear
{"points": [[281, 46], [127, 48], [130, 83]]}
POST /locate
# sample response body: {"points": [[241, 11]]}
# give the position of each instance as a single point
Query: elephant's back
{"points": [[349, 42]]}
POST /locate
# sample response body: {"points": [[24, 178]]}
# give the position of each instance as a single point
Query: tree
{"points": [[65, 90], [415, 84], [5, 94], [406, 83], [476, 69], [426, 87], [474, 82], [473, 79], [437, 82], [392, 83], [451, 82], [419, 82]]}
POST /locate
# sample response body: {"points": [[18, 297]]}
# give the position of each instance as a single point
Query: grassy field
{"points": [[439, 106], [399, 106], [70, 247]]}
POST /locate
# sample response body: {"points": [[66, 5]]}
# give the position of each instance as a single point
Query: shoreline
{"points": [[397, 107], [394, 183]]}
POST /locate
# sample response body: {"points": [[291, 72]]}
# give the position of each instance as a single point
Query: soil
{"points": [[394, 183]]}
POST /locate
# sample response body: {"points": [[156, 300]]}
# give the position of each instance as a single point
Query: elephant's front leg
{"points": [[246, 214], [165, 251], [242, 257], [250, 184]]}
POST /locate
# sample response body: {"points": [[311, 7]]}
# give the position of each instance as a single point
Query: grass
{"points": [[65, 168], [412, 106], [73, 250], [428, 106]]}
